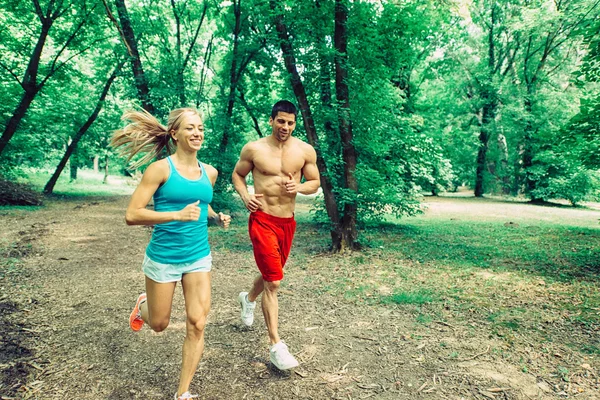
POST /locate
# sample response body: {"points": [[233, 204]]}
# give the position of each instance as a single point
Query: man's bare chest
{"points": [[279, 162]]}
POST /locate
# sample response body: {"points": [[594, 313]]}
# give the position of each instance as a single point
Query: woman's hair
{"points": [[144, 134]]}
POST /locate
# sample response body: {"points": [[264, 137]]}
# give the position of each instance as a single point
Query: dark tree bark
{"points": [[234, 75], [340, 39], [30, 82], [182, 60], [250, 113], [128, 35], [487, 119], [309, 126], [106, 158], [73, 145]]}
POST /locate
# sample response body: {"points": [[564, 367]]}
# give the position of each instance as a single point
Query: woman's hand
{"points": [[223, 220], [191, 212]]}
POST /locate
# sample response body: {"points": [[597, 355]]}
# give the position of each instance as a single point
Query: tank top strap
{"points": [[203, 170], [171, 163]]}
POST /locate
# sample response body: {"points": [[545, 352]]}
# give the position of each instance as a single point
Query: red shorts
{"points": [[272, 241]]}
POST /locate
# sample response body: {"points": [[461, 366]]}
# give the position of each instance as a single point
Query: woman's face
{"points": [[190, 134]]}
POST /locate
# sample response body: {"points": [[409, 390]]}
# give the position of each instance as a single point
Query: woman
{"points": [[182, 189]]}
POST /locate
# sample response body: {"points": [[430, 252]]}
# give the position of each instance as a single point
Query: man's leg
{"points": [[257, 289], [196, 291], [270, 308]]}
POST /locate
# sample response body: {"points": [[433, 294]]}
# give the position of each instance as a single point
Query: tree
{"points": [[68, 43], [547, 46], [348, 223], [129, 40], [82, 130]]}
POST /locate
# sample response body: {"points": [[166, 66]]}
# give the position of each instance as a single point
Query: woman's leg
{"points": [[156, 310], [196, 291]]}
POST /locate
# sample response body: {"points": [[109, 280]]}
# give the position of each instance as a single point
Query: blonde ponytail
{"points": [[144, 134]]}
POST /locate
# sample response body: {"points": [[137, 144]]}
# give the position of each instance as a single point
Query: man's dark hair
{"points": [[284, 106]]}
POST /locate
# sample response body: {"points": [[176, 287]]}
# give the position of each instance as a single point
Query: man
{"points": [[277, 162]]}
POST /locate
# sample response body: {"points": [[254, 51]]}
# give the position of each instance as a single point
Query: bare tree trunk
{"points": [[309, 126], [340, 38], [233, 76], [29, 84], [489, 114], [73, 145], [105, 180], [141, 82], [503, 164], [96, 164]]}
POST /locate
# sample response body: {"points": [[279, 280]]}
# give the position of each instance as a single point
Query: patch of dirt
{"points": [[64, 328]]}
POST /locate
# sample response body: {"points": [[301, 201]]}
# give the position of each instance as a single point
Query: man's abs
{"points": [[275, 201]]}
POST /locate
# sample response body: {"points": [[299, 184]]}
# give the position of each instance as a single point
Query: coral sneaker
{"points": [[135, 318]]}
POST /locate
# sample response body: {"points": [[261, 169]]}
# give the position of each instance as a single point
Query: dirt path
{"points": [[63, 324]]}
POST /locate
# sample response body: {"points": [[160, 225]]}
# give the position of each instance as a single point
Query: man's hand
{"points": [[191, 212], [291, 186], [253, 202], [223, 220]]}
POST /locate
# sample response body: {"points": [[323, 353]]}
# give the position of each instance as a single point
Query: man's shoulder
{"points": [[304, 146], [255, 145]]}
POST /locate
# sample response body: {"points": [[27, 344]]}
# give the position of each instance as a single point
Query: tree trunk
{"points": [[73, 171], [311, 132], [105, 180], [529, 150], [73, 145], [349, 233], [503, 164], [30, 85], [233, 77], [141, 82], [16, 118], [489, 114], [96, 164]]}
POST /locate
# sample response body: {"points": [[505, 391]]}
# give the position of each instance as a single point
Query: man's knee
{"points": [[272, 286]]}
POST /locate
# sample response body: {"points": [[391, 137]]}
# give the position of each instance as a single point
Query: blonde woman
{"points": [[182, 188]]}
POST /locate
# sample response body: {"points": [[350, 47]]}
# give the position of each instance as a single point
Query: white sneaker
{"points": [[185, 396], [281, 357], [247, 308]]}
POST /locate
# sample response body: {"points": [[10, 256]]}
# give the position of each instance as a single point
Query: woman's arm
{"points": [[138, 214]]}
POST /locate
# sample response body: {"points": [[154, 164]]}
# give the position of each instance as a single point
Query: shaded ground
{"points": [[66, 297]]}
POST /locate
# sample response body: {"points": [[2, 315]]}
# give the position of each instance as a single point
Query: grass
{"points": [[537, 278], [88, 183]]}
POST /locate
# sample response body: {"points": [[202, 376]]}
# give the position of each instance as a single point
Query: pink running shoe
{"points": [[135, 319]]}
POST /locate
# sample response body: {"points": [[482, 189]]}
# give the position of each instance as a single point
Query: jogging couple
{"points": [[182, 189]]}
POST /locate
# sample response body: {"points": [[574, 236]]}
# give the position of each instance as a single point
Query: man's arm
{"points": [[310, 171], [238, 178]]}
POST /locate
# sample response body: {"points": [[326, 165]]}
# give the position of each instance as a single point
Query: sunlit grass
{"points": [[88, 183]]}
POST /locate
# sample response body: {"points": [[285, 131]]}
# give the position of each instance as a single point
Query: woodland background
{"points": [[398, 97]]}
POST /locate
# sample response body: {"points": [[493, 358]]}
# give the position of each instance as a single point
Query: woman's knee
{"points": [[196, 323], [159, 325]]}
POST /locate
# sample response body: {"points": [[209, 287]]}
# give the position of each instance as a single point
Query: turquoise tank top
{"points": [[178, 242]]}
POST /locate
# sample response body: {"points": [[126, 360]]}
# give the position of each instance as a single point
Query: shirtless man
{"points": [[277, 163]]}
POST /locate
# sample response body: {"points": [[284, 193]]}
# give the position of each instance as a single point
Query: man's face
{"points": [[283, 125]]}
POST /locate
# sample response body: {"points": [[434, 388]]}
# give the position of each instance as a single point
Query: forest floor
{"points": [[404, 319]]}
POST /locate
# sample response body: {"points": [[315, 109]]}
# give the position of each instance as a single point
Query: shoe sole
{"points": [[133, 315], [285, 369]]}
